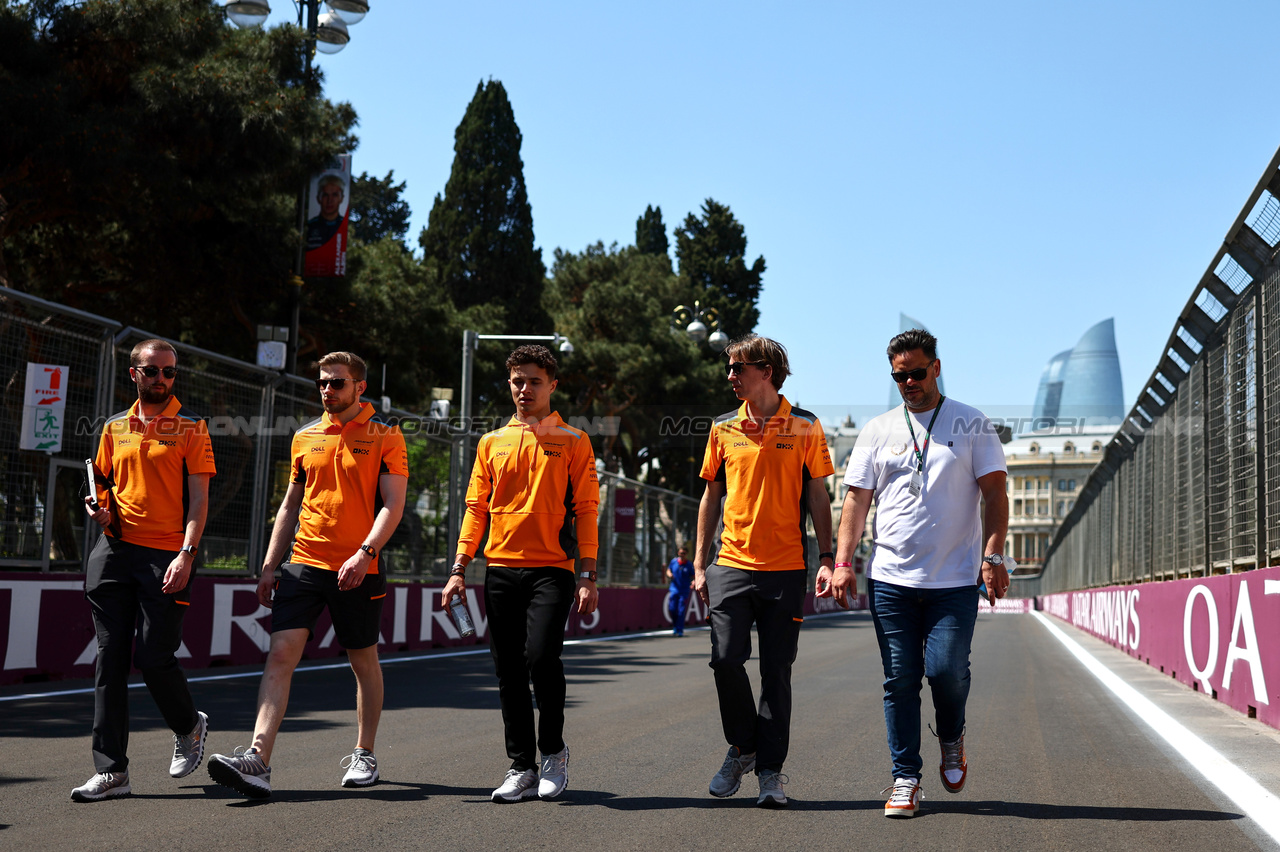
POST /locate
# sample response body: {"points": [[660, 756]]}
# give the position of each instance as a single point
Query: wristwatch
{"points": [[458, 570], [588, 575], [994, 559], [368, 548], [189, 548]]}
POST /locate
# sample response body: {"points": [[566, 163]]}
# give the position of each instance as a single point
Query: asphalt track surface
{"points": [[1056, 761]]}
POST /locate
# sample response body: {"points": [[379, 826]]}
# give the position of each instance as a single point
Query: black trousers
{"points": [[774, 602], [122, 585], [527, 609]]}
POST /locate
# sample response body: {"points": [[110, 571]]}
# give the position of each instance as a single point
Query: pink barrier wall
{"points": [[1218, 635], [46, 632]]}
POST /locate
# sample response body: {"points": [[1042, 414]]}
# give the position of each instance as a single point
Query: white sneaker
{"points": [[188, 750], [104, 785], [555, 774], [904, 800], [362, 768], [516, 786]]}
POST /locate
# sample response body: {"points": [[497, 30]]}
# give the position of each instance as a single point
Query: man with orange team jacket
{"points": [[350, 472], [155, 462], [534, 484], [766, 461]]}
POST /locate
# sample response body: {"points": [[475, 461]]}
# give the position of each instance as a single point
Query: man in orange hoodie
{"points": [[534, 485]]}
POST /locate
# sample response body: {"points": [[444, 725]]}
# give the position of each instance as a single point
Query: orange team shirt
{"points": [[145, 469], [339, 467], [765, 474], [537, 488]]}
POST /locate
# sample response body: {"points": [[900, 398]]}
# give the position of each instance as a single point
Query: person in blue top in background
{"points": [[680, 573]]}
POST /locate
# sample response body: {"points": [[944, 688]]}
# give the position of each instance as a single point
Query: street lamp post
{"points": [[328, 34], [700, 324], [457, 459]]}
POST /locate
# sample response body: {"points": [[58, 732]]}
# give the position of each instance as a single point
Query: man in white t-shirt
{"points": [[928, 464]]}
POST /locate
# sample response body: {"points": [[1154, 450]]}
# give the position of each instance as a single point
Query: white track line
{"points": [[386, 662], [1243, 792]]}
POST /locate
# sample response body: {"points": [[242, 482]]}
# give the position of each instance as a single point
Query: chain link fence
{"points": [[252, 413], [1190, 485]]}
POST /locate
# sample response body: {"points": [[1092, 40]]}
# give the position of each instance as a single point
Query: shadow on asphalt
{"points": [[383, 791], [1037, 810]]}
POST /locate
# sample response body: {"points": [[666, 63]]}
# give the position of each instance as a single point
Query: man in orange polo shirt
{"points": [[155, 462], [350, 473], [766, 461], [534, 485]]}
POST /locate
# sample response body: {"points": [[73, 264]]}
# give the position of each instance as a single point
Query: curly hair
{"points": [[532, 353]]}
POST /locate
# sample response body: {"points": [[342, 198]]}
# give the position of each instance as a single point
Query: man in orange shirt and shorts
{"points": [[155, 461], [534, 485], [766, 462], [350, 473]]}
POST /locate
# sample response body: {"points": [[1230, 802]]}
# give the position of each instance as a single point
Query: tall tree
{"points": [[150, 162], [378, 209], [651, 232], [480, 232], [630, 364], [711, 250]]}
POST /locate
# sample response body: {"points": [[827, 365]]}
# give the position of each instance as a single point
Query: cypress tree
{"points": [[712, 252], [651, 232], [480, 232]]}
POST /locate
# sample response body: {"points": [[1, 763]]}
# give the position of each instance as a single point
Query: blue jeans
{"points": [[922, 633]]}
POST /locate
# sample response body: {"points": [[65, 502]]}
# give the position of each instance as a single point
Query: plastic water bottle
{"points": [[461, 618]]}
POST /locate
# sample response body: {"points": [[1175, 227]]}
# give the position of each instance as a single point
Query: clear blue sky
{"points": [[1008, 172]]}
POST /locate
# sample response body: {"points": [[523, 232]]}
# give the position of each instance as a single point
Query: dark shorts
{"points": [[303, 591]]}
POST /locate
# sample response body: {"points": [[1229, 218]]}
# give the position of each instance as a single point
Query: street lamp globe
{"points": [[697, 331], [248, 14], [350, 11], [331, 33], [718, 340], [566, 348]]}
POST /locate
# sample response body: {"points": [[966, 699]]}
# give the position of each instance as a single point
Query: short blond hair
{"points": [[753, 347], [352, 361], [154, 343]]}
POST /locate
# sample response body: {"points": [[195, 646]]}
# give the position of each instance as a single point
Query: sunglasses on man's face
{"points": [[917, 375], [735, 367], [336, 384], [151, 371]]}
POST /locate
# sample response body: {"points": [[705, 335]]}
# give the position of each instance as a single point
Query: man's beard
{"points": [[153, 394]]}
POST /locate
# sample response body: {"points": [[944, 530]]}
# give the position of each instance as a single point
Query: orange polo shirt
{"points": [[765, 474], [537, 488], [145, 469], [339, 466]]}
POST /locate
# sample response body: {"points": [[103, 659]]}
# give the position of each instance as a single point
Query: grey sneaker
{"points": [[727, 781], [104, 785], [555, 774], [516, 786], [243, 772], [362, 768], [188, 751], [771, 794]]}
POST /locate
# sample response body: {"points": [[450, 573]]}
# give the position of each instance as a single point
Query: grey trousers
{"points": [[774, 602]]}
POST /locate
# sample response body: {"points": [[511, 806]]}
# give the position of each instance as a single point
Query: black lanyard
{"points": [[928, 434]]}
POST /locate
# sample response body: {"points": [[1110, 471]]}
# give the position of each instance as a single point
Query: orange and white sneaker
{"points": [[904, 798], [954, 768]]}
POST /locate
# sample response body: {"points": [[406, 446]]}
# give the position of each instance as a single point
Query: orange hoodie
{"points": [[536, 486]]}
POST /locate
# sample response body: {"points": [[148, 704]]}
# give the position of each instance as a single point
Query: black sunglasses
{"points": [[738, 366], [336, 384], [916, 375], [151, 371]]}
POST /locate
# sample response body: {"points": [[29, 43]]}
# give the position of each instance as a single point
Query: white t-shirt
{"points": [[933, 541]]}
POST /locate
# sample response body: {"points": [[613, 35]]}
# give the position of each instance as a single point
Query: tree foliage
{"points": [[480, 232], [711, 250], [651, 233], [150, 162], [377, 209]]}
